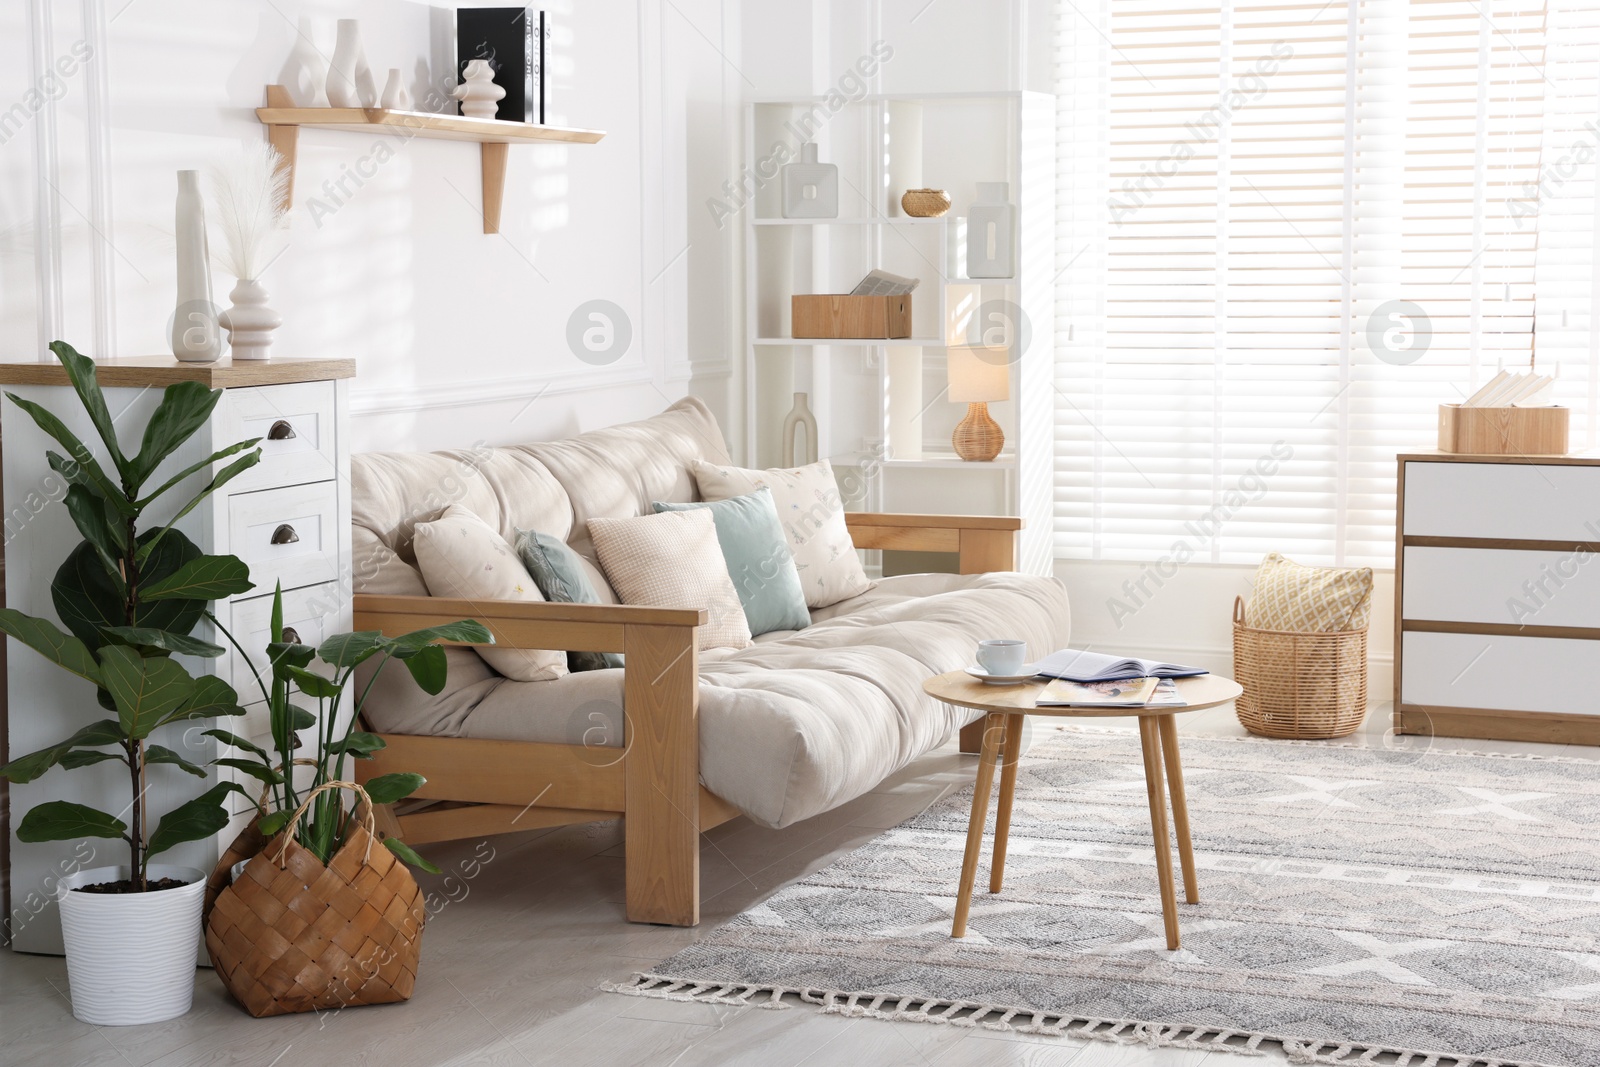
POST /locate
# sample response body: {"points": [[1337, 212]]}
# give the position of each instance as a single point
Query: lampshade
{"points": [[979, 374]]}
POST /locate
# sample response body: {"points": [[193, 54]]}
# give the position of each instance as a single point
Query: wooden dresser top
{"points": [[1574, 459], [165, 370]]}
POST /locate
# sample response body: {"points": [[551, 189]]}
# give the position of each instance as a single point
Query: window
{"points": [[1286, 233]]}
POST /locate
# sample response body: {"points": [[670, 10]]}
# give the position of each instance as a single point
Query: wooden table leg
{"points": [[1180, 805], [1008, 785], [1150, 741], [993, 725]]}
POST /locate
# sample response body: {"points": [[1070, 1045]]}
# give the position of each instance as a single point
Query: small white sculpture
{"points": [[479, 95], [395, 97]]}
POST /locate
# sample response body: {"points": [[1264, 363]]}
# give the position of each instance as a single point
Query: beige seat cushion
{"points": [[673, 560], [812, 512], [462, 556], [1292, 597]]}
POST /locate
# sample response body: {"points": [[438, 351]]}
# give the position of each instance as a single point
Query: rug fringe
{"points": [[965, 1013]]}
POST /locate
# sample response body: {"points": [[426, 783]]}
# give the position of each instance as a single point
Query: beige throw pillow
{"points": [[673, 560], [1294, 597], [812, 513], [460, 555]]}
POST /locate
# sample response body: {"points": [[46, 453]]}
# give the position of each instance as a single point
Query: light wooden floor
{"points": [[512, 962]]}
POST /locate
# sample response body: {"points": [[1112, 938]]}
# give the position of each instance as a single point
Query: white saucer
{"points": [[1001, 679]]}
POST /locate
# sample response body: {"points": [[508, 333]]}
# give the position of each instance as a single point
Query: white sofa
{"points": [[797, 723]]}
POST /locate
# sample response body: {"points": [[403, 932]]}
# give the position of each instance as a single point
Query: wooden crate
{"points": [[826, 315], [1503, 431]]}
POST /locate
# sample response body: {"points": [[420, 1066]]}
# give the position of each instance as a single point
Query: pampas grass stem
{"points": [[247, 194]]}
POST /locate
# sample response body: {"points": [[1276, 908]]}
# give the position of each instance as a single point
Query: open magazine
{"points": [[1126, 693], [1076, 666]]}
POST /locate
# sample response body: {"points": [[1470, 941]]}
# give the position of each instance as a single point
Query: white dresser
{"points": [[288, 518], [1497, 597]]}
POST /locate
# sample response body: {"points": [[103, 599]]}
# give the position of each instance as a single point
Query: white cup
{"points": [[1003, 656]]}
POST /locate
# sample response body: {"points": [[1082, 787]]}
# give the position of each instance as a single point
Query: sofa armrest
{"points": [[983, 542], [523, 623]]}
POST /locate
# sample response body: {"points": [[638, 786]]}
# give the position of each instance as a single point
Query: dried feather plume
{"points": [[247, 196]]}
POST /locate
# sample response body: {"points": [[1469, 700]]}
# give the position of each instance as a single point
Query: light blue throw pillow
{"points": [[558, 573], [759, 560]]}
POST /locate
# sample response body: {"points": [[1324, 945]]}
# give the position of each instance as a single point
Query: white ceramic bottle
{"points": [[810, 188], [196, 337], [350, 81], [991, 228], [305, 74]]}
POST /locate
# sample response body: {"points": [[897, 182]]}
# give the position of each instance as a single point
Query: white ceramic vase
{"points": [[810, 187], [991, 224], [195, 335], [800, 418], [395, 97], [131, 956], [479, 95], [350, 82], [305, 74], [250, 322]]}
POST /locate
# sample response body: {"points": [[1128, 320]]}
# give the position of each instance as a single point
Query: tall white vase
{"points": [[131, 956], [250, 322], [305, 74], [800, 418], [991, 226], [195, 336], [350, 81]]}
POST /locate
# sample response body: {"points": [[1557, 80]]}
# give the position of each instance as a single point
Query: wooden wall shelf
{"points": [[283, 121]]}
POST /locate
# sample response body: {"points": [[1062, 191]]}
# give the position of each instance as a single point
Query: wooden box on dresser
{"points": [[288, 518], [1497, 597]]}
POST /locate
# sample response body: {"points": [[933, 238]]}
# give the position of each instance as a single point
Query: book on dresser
{"points": [[1497, 610]]}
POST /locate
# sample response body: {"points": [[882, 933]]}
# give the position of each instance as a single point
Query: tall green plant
{"points": [[130, 593]]}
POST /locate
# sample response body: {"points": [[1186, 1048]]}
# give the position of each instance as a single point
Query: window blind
{"points": [[1285, 234]]}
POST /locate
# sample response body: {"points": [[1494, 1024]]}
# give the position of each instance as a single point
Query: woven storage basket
{"points": [[1299, 685], [292, 935], [925, 203]]}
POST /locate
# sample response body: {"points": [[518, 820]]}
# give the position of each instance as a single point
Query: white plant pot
{"points": [[131, 956]]}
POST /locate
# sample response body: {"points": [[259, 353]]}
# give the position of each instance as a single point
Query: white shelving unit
{"points": [[879, 404]]}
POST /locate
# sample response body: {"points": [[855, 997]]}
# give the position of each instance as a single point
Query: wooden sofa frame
{"points": [[477, 787]]}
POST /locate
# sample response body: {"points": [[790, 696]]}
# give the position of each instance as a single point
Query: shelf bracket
{"points": [[285, 138], [494, 182]]}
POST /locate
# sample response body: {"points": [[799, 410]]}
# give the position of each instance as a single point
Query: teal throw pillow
{"points": [[759, 560], [558, 572]]}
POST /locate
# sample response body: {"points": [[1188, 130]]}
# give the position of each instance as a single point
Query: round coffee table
{"points": [[1005, 705]]}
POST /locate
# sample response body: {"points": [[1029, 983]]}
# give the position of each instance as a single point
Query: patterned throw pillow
{"points": [[673, 560], [559, 573], [1289, 596], [460, 555], [812, 513], [758, 558]]}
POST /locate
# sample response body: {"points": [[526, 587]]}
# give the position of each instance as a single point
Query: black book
{"points": [[512, 40]]}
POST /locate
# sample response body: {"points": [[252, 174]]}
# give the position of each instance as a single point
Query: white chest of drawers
{"points": [[1497, 597], [288, 518]]}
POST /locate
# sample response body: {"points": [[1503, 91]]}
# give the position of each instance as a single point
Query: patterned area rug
{"points": [[1442, 907]]}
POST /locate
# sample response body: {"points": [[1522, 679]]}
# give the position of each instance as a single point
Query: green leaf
{"points": [[62, 820], [220, 479], [312, 685], [27, 768], [184, 408], [87, 602], [259, 772], [212, 698], [359, 744], [79, 465], [146, 691], [272, 822], [409, 855], [145, 637], [388, 788], [81, 371], [215, 457], [290, 718], [61, 649], [88, 512], [349, 650], [429, 667], [283, 656], [205, 578], [163, 754], [236, 741], [87, 757], [466, 632], [199, 818]]}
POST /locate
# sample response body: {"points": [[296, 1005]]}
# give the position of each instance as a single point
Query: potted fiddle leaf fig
{"points": [[130, 593]]}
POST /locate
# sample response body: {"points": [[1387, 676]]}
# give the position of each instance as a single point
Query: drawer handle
{"points": [[284, 535], [291, 636], [281, 431]]}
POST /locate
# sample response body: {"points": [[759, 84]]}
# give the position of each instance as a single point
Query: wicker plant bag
{"points": [[1304, 686], [292, 935]]}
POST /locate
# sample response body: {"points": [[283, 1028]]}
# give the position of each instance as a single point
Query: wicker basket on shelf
{"points": [[925, 203], [1303, 686]]}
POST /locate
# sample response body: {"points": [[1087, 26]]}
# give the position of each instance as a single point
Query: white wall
{"points": [[458, 336]]}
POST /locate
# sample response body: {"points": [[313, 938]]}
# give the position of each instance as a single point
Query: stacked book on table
{"points": [[1096, 680]]}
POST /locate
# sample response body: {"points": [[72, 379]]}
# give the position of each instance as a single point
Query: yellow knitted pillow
{"points": [[1289, 596]]}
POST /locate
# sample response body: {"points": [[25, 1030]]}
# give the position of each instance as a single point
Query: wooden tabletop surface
{"points": [[164, 370], [963, 690]]}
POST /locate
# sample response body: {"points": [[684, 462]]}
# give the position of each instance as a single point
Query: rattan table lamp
{"points": [[978, 376]]}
